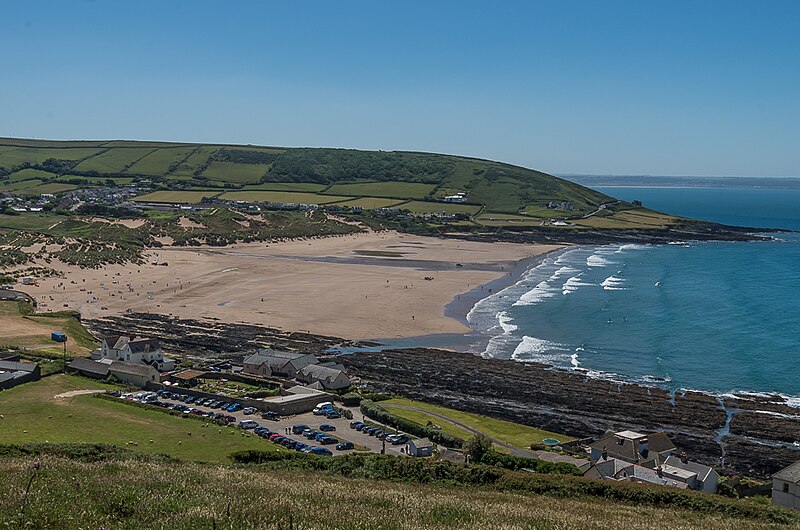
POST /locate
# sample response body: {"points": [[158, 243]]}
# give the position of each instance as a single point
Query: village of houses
{"points": [[308, 392]]}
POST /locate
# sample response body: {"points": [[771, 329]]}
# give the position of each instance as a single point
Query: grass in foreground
{"points": [[32, 414], [514, 434], [131, 494]]}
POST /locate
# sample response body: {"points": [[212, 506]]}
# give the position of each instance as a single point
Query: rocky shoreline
{"points": [[537, 395], [751, 435]]}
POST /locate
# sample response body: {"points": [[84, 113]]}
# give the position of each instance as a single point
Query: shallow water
{"points": [[708, 316]]}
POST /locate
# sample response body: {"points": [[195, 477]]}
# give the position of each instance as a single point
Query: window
{"points": [[786, 487]]}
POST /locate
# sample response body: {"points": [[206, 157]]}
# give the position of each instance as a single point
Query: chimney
{"points": [[684, 458], [605, 453], [660, 472]]}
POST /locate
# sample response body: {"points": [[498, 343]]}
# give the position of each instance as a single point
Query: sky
{"points": [[567, 87]]}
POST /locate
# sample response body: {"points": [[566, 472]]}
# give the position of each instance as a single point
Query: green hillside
{"points": [[28, 167]]}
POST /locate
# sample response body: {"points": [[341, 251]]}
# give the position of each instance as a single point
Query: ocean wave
{"points": [[573, 284], [542, 291], [504, 321], [597, 260], [563, 271], [631, 246], [613, 283], [539, 350]]}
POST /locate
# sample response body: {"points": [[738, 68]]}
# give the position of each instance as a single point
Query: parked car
{"points": [[298, 429], [300, 446], [326, 427], [249, 410], [332, 415], [322, 408], [248, 424], [355, 423], [328, 440], [320, 436], [274, 436], [270, 415], [235, 407], [344, 446], [397, 439], [310, 434], [320, 451]]}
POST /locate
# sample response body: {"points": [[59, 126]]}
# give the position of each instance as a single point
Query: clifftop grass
{"points": [[131, 493]]}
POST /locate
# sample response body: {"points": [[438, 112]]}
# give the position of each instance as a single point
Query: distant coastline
{"points": [[667, 181]]}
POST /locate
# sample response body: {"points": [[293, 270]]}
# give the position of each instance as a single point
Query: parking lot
{"points": [[342, 432]]}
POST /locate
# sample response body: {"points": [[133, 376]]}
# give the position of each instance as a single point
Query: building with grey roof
{"points": [[276, 363], [13, 373], [786, 487], [329, 378], [701, 477]]}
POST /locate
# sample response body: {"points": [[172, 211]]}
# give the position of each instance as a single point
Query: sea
{"points": [[710, 316]]}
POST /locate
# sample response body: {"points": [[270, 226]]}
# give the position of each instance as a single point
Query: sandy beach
{"points": [[356, 287]]}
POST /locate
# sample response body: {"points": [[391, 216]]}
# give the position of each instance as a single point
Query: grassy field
{"points": [[439, 207], [392, 190], [500, 219], [32, 414], [114, 160], [193, 163], [520, 436], [188, 197], [14, 156], [126, 494], [32, 332], [236, 173], [158, 162], [286, 186], [282, 197], [370, 203], [634, 218], [29, 173]]}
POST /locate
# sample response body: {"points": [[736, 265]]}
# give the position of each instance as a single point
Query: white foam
{"points": [[597, 260], [573, 284], [573, 359], [612, 283], [631, 246], [542, 291], [533, 349], [505, 322]]}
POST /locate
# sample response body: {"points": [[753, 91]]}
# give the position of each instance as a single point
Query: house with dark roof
{"points": [[89, 368], [138, 350], [134, 374], [329, 378], [276, 363], [786, 487], [620, 470], [649, 450], [13, 373]]}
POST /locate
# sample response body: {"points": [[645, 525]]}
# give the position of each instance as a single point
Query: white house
{"points": [[701, 477], [277, 363], [420, 447], [329, 378], [786, 487], [137, 350]]}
